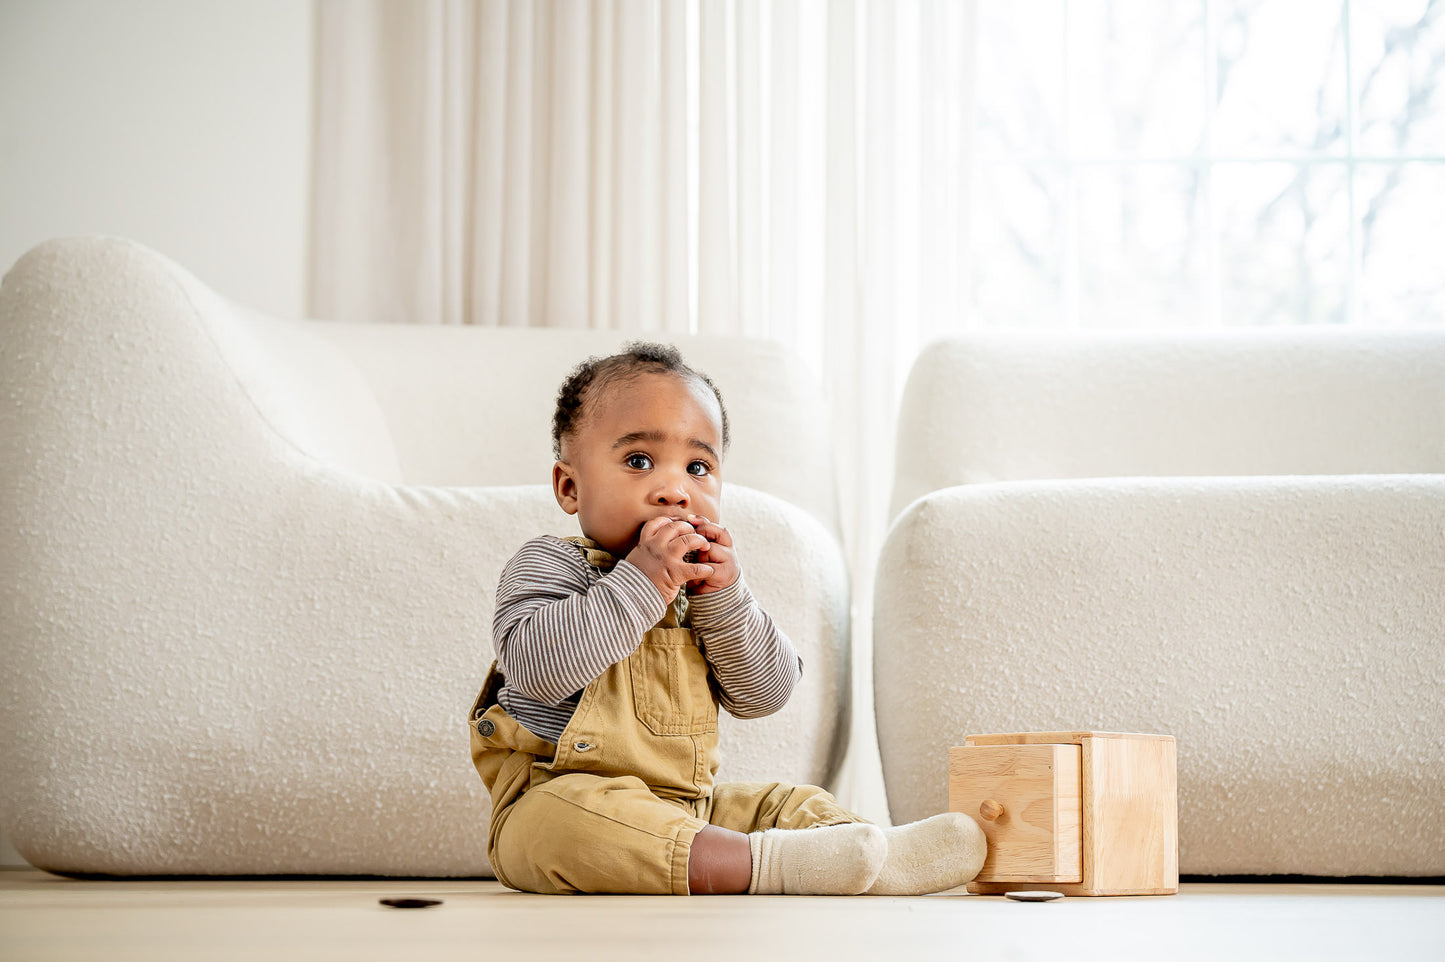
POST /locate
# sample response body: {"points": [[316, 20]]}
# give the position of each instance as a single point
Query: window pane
{"points": [[1141, 247], [1281, 76], [1136, 82], [1020, 78], [1284, 242], [1017, 245], [1399, 56], [1207, 161], [1401, 208]]}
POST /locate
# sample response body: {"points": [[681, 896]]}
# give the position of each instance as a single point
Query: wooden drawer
{"points": [[1087, 812], [1027, 800]]}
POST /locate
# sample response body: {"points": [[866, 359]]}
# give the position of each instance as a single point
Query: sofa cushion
{"points": [[1286, 632]]}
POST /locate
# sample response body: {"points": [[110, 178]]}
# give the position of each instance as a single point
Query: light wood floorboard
{"points": [[52, 918]]}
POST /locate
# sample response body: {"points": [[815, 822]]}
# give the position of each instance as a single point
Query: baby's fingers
{"points": [[653, 529], [691, 545], [712, 530]]}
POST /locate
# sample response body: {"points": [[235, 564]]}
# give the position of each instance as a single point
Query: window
{"points": [[1220, 162]]}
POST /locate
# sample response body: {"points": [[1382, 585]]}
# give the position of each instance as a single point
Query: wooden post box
{"points": [[1083, 813]]}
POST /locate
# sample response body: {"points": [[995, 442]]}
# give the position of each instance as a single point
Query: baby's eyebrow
{"points": [[712, 452], [657, 437]]}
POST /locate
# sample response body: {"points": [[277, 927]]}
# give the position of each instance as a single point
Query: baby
{"points": [[596, 729]]}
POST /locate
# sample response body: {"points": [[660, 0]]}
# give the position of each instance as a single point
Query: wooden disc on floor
{"points": [[1033, 896]]}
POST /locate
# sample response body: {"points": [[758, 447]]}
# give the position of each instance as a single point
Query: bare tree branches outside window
{"points": [[1220, 162]]}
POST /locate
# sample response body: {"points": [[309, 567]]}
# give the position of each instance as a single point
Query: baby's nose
{"points": [[671, 493]]}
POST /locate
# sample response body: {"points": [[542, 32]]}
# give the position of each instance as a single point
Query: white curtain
{"points": [[795, 169]]}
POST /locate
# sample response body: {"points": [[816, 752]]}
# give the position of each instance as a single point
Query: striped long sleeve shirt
{"points": [[560, 623]]}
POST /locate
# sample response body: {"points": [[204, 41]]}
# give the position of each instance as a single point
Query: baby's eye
{"points": [[699, 469], [639, 462]]}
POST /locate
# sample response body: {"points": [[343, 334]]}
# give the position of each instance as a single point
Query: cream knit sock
{"points": [[825, 860], [931, 855]]}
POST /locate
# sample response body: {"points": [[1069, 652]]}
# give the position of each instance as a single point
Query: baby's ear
{"points": [[564, 487]]}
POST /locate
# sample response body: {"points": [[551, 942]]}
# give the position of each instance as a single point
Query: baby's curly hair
{"points": [[596, 373]]}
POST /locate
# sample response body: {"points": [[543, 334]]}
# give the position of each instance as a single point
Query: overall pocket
{"points": [[670, 684]]}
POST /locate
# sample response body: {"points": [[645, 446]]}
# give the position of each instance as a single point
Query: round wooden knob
{"points": [[990, 810]]}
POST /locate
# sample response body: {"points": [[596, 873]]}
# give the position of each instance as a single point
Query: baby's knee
{"points": [[758, 806]]}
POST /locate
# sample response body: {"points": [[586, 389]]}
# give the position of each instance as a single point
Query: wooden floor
{"points": [[51, 918]]}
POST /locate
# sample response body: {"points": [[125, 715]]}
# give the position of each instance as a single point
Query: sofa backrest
{"points": [[992, 407], [473, 405]]}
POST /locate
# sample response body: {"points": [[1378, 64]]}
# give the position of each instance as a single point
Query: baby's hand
{"points": [[661, 553], [718, 555]]}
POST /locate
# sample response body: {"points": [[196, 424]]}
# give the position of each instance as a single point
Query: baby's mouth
{"points": [[670, 517]]}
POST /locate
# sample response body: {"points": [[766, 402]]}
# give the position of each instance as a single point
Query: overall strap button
{"points": [[485, 727]]}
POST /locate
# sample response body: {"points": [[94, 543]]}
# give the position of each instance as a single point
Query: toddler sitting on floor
{"points": [[596, 729]]}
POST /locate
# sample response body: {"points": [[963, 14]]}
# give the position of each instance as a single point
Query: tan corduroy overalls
{"points": [[614, 806]]}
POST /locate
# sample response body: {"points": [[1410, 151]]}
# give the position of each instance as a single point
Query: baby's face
{"points": [[646, 447]]}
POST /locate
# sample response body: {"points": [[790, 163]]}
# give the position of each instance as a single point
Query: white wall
{"points": [[185, 124]]}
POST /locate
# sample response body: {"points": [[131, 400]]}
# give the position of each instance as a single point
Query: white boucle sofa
{"points": [[1234, 538], [247, 568]]}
